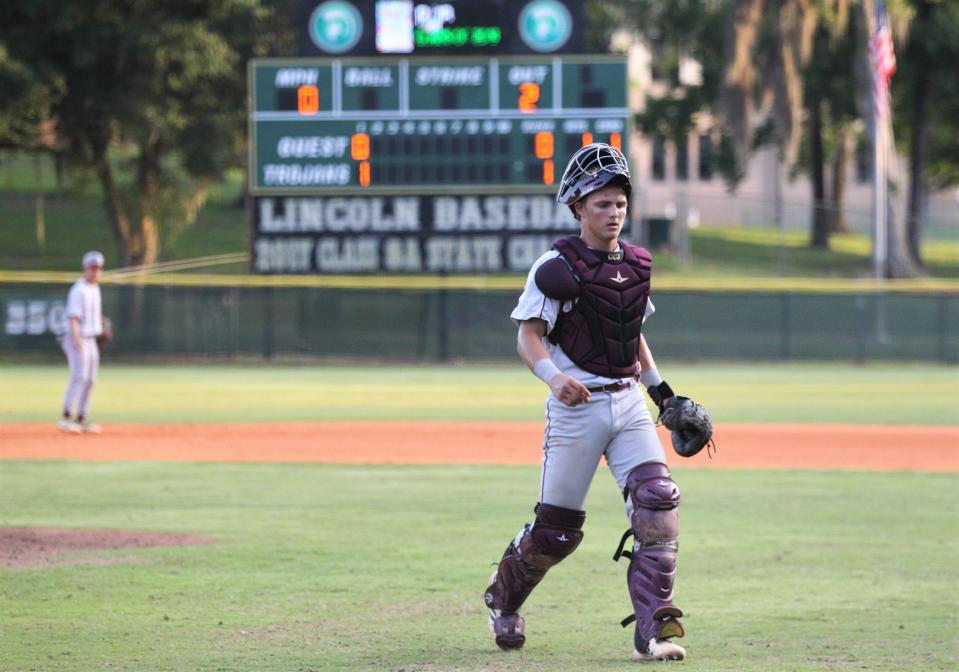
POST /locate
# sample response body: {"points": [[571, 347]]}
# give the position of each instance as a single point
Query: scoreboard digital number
{"points": [[454, 125]]}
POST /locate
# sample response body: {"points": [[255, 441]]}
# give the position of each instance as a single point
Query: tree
{"points": [[769, 87], [831, 115], [767, 44], [675, 29], [927, 102], [24, 103], [150, 96], [23, 106]]}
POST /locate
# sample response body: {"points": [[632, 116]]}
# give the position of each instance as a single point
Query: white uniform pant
{"points": [[616, 425], [84, 365]]}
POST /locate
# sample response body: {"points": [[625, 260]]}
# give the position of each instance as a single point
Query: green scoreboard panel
{"points": [[433, 125]]}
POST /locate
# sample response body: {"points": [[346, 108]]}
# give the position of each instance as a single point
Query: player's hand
{"points": [[77, 344], [568, 390]]}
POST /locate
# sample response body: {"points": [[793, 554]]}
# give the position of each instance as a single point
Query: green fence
{"points": [[450, 324]]}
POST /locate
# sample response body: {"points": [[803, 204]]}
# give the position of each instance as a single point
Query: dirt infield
{"points": [[847, 447]]}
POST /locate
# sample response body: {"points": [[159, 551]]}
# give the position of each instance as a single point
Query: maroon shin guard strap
{"points": [[557, 516]]}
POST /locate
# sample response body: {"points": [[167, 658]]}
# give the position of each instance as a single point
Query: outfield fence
{"points": [[429, 321]]}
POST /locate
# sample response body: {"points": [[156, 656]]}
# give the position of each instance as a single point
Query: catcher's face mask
{"points": [[592, 167]]}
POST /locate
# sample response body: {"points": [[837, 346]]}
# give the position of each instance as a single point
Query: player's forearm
{"points": [[659, 390], [647, 365], [75, 328], [530, 349]]}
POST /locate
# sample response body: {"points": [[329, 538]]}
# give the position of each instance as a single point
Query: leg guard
{"points": [[652, 565], [554, 535]]}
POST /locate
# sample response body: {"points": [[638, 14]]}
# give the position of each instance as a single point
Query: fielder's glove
{"points": [[107, 334], [690, 425]]}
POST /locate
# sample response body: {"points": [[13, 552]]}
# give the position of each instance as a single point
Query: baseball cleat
{"points": [[69, 426], [90, 428], [660, 649]]}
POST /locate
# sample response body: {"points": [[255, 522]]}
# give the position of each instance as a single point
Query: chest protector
{"points": [[601, 333]]}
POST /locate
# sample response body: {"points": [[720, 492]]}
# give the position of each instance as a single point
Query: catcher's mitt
{"points": [[690, 425], [107, 334]]}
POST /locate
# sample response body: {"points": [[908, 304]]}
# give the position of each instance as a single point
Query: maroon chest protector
{"points": [[601, 333]]}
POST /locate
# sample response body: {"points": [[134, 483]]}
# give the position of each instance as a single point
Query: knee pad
{"points": [[554, 535], [655, 498]]}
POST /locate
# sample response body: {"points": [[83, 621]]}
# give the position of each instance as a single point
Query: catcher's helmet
{"points": [[592, 167]]}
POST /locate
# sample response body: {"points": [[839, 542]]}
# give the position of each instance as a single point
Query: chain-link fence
{"points": [[442, 325]]}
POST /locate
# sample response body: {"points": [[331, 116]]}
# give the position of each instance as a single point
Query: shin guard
{"points": [[652, 563], [554, 535]]}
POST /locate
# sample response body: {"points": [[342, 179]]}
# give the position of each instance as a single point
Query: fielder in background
{"points": [[79, 343], [580, 318]]}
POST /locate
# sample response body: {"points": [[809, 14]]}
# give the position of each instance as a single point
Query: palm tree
{"points": [[768, 44]]}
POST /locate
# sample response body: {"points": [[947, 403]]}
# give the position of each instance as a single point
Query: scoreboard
{"points": [[428, 125]]}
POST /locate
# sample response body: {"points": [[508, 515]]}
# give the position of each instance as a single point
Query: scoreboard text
{"points": [[450, 125]]}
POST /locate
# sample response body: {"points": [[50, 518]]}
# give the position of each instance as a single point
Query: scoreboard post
{"points": [[421, 164]]}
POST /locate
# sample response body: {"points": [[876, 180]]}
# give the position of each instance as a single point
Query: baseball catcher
{"points": [[580, 320]]}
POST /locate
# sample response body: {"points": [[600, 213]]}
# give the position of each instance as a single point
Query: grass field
{"points": [[321, 567], [806, 392], [382, 568]]}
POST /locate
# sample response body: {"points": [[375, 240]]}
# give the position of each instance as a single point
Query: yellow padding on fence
{"points": [[480, 282]]}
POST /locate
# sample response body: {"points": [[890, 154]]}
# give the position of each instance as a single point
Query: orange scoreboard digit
{"points": [[360, 151], [308, 99], [528, 97], [543, 148]]}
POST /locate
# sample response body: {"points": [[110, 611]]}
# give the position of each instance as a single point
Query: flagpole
{"points": [[882, 59], [881, 206], [883, 65], [880, 186]]}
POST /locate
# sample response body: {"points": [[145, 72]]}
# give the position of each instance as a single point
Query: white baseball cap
{"points": [[93, 258]]}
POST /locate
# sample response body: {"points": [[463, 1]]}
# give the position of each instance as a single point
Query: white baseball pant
{"points": [[616, 425], [84, 365]]}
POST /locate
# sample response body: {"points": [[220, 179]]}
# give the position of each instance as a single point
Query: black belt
{"points": [[612, 387]]}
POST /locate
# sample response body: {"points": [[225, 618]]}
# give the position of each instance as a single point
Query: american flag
{"points": [[884, 61]]}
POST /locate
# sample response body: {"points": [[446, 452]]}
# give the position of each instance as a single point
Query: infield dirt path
{"points": [[849, 447]]}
